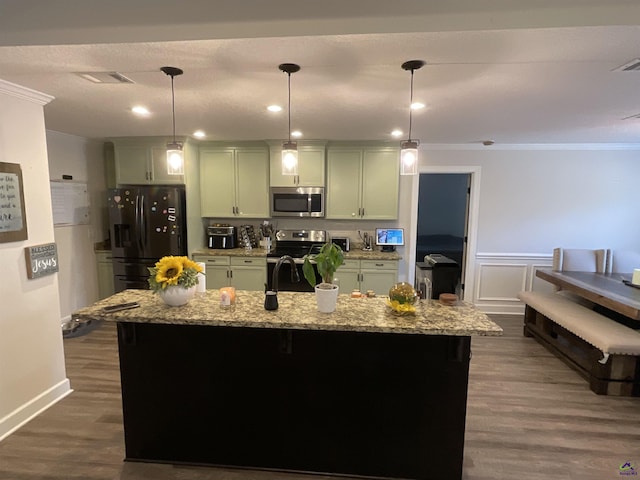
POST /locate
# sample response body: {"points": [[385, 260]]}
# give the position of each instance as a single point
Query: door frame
{"points": [[472, 225]]}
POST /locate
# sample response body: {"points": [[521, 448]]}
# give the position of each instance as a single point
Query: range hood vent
{"points": [[104, 77], [631, 66]]}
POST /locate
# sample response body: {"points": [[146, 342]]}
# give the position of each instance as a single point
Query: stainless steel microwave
{"points": [[297, 201]]}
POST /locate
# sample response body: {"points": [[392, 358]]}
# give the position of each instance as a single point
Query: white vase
{"points": [[326, 297], [176, 295]]}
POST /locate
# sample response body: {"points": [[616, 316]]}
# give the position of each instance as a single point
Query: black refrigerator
{"points": [[146, 223]]}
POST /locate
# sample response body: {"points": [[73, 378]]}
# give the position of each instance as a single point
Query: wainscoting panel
{"points": [[500, 276]]}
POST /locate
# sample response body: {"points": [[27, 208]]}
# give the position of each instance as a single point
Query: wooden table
{"points": [[601, 288]]}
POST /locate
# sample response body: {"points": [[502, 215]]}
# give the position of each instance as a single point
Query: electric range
{"points": [[296, 244]]}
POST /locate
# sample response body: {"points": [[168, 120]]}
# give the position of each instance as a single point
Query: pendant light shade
{"points": [[175, 155], [289, 148], [409, 148]]}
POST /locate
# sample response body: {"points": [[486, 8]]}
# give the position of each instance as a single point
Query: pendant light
{"points": [[409, 148], [289, 148], [175, 155]]}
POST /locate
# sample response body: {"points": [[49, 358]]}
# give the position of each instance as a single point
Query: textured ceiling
{"points": [[541, 82]]}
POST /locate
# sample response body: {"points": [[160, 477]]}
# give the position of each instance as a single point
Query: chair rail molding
{"points": [[500, 276]]}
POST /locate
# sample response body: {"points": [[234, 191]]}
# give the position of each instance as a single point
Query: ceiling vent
{"points": [[631, 66], [105, 77]]}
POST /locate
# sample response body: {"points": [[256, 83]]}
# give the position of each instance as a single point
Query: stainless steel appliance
{"points": [[297, 201], [296, 244], [221, 236], [146, 223], [343, 242]]}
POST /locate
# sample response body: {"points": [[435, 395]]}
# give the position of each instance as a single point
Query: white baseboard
{"points": [[33, 408]]}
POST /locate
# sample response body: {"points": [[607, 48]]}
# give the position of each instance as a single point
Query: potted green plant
{"points": [[327, 261]]}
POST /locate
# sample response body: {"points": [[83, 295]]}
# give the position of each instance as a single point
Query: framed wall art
{"points": [[13, 219]]}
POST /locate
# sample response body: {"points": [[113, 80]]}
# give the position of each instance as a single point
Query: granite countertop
{"points": [[297, 311], [261, 252], [231, 252]]}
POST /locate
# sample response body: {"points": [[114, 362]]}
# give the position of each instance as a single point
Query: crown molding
{"points": [[24, 93]]}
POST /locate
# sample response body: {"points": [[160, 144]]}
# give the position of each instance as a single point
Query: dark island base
{"points": [[369, 404]]}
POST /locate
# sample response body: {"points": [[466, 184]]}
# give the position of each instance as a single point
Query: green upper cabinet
{"points": [[362, 183], [311, 166], [234, 181], [142, 160]]}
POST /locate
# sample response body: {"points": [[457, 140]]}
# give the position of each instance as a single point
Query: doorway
{"points": [[443, 208]]}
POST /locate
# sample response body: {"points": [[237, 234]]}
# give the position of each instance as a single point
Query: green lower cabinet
{"points": [[105, 274], [244, 273], [249, 273], [363, 275]]}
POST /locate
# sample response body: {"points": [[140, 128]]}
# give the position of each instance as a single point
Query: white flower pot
{"points": [[176, 296], [326, 297]]}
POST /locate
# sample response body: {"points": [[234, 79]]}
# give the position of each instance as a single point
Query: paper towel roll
{"points": [[202, 280], [636, 276]]}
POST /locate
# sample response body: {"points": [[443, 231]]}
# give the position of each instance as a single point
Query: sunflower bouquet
{"points": [[172, 270]]}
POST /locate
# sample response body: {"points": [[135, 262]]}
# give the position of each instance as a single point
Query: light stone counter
{"points": [[231, 252], [297, 311], [260, 252]]}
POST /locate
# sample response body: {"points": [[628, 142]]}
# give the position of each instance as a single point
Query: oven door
{"points": [[285, 283]]}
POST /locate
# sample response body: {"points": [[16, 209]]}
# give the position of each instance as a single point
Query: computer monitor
{"points": [[389, 238]]}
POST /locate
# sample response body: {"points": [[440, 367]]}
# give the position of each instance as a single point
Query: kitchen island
{"points": [[360, 391]]}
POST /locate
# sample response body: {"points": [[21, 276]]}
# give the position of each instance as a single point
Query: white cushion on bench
{"points": [[603, 333]]}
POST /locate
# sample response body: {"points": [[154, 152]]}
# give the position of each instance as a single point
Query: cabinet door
{"points": [[311, 168], [380, 179], [249, 278], [132, 164], [343, 184], [217, 183], [252, 183], [249, 273], [216, 270], [159, 173], [348, 275], [105, 275], [378, 275]]}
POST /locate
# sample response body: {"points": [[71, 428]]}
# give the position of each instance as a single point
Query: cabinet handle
{"points": [[363, 211], [379, 264], [248, 261], [231, 273]]}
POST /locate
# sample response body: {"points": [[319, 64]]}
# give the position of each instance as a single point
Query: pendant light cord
{"points": [[173, 110], [289, 107], [410, 105]]}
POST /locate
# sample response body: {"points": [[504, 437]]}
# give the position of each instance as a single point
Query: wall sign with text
{"points": [[13, 219], [41, 260]]}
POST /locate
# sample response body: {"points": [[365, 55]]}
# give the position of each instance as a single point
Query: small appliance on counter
{"points": [[342, 242], [221, 236]]}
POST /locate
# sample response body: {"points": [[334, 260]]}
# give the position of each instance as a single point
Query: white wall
{"points": [[84, 160], [32, 369], [535, 198]]}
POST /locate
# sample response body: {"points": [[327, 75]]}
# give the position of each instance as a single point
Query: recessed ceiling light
{"points": [[199, 134], [396, 133], [296, 133], [274, 108], [139, 110], [417, 106]]}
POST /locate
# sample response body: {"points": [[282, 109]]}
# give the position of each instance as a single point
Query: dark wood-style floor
{"points": [[529, 417]]}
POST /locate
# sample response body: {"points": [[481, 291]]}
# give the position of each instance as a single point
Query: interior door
{"points": [[443, 215]]}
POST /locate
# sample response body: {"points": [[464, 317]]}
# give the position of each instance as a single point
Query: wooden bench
{"points": [[604, 352]]}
